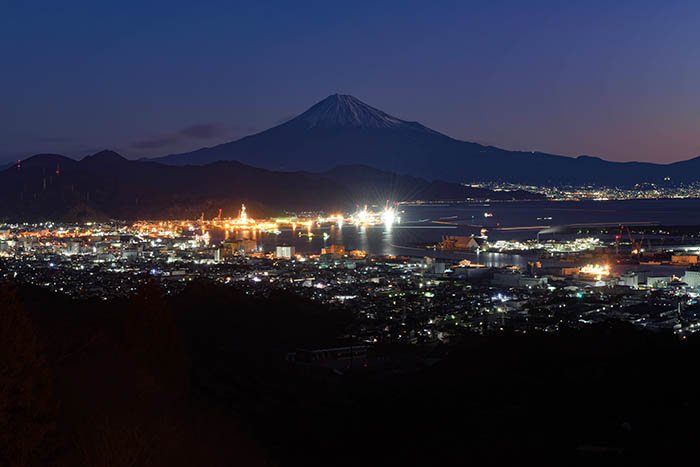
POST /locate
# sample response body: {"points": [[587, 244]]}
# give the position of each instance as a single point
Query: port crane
{"points": [[636, 245]]}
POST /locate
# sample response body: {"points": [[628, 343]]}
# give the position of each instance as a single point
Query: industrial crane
{"points": [[636, 245]]}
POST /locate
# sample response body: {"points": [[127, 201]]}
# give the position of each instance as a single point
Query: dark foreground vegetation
{"points": [[201, 379]]}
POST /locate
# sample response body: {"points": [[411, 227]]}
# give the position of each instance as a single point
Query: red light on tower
{"points": [[19, 164]]}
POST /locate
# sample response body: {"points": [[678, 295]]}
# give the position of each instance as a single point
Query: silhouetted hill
{"points": [[106, 185], [341, 130], [369, 184], [200, 378], [104, 159]]}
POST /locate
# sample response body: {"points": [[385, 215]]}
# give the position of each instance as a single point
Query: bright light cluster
{"points": [[563, 246], [388, 216], [596, 270]]}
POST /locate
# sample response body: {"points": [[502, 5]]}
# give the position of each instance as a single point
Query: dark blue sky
{"points": [[617, 79]]}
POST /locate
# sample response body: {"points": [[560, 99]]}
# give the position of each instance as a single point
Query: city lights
{"points": [[370, 217], [388, 216], [596, 270]]}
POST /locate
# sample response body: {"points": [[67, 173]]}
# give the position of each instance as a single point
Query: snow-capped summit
{"points": [[342, 111], [341, 130]]}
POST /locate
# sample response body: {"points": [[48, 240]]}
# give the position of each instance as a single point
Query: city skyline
{"points": [[613, 82]]}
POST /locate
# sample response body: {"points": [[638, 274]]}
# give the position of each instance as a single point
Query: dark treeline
{"points": [[200, 379]]}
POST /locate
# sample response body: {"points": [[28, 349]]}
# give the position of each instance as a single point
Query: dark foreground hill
{"points": [[201, 379], [106, 185], [342, 130]]}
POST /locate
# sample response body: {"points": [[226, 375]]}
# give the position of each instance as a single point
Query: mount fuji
{"points": [[339, 130], [342, 130]]}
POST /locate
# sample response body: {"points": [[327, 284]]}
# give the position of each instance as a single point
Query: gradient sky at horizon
{"points": [[612, 79]]}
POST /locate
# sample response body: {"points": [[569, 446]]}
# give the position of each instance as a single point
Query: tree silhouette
{"points": [[154, 341], [27, 408]]}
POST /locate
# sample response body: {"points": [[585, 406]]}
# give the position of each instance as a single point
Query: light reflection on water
{"points": [[418, 228], [378, 240]]}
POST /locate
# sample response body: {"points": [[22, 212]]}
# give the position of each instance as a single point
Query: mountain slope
{"points": [[338, 130], [367, 184], [343, 130], [105, 185]]}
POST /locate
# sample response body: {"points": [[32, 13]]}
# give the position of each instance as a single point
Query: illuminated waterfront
{"points": [[460, 268], [649, 191], [414, 226], [425, 224]]}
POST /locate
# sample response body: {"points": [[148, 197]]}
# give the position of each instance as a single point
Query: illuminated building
{"points": [[131, 253], [598, 271], [241, 245], [284, 252], [692, 278], [630, 279], [334, 249], [357, 254], [658, 281], [459, 242], [684, 258]]}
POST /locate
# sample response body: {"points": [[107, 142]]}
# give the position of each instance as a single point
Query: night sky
{"points": [[618, 79]]}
